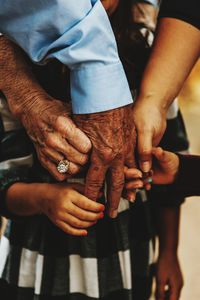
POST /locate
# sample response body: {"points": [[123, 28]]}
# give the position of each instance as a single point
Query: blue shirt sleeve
{"points": [[77, 33]]}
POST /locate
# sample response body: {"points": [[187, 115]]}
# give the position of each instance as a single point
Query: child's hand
{"points": [[168, 275], [165, 166], [68, 209], [133, 181]]}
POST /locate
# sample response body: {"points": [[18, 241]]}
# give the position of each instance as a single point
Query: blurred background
{"points": [[189, 248]]}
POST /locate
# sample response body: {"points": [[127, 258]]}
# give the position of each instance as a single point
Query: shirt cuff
{"points": [[99, 88]]}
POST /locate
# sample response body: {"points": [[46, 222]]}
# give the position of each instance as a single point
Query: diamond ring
{"points": [[63, 166]]}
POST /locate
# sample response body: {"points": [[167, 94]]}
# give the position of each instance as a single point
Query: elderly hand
{"points": [[113, 138], [46, 120], [49, 125]]}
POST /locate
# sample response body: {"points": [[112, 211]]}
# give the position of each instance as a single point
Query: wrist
{"points": [[151, 99], [42, 195]]}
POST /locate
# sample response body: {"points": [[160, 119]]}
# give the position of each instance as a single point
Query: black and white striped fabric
{"points": [[38, 261]]}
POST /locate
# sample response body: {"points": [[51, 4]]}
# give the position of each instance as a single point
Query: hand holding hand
{"points": [[48, 124], [113, 138]]}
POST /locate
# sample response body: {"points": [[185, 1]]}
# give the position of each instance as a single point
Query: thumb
{"points": [[145, 139]]}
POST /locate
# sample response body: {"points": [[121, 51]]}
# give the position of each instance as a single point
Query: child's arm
{"points": [[168, 272], [64, 205]]}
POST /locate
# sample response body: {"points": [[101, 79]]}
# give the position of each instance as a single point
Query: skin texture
{"points": [[63, 204], [54, 134], [112, 148], [164, 171], [175, 51], [46, 120]]}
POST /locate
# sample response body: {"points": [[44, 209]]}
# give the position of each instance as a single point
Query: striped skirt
{"points": [[38, 261]]}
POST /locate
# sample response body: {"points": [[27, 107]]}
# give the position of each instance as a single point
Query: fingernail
{"points": [[113, 214], [84, 233], [101, 216], [145, 166]]}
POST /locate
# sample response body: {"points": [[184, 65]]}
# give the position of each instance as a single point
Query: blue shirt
{"points": [[77, 33]]}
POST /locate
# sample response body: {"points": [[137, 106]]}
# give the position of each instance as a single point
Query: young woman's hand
{"points": [[68, 209]]}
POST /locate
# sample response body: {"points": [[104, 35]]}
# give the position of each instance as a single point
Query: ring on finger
{"points": [[63, 166]]}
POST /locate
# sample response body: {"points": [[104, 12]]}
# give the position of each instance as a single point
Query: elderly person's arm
{"points": [[81, 38], [46, 120], [175, 51]]}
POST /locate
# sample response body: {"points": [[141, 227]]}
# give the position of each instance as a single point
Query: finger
{"points": [[160, 291], [145, 150], [73, 134], [115, 187], [95, 177], [50, 166], [133, 173], [70, 230], [75, 222], [59, 144], [86, 215], [135, 184], [73, 168], [87, 204], [131, 195], [53, 155]]}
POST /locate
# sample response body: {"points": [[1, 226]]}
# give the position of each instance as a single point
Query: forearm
{"points": [[176, 49], [17, 81], [25, 199], [168, 229]]}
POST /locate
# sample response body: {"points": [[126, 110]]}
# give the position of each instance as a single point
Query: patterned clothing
{"points": [[38, 261]]}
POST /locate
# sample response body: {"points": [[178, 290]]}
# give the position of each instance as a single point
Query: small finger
{"points": [[75, 222], [135, 184], [85, 215], [131, 195], [132, 173], [87, 204], [71, 230]]}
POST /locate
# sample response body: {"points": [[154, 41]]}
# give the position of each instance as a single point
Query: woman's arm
{"points": [[175, 51]]}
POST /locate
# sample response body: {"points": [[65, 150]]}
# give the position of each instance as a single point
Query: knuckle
{"points": [[74, 169], [83, 159]]}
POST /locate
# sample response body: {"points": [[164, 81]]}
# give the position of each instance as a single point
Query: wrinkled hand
{"points": [[168, 274], [113, 138], [56, 137], [68, 209], [150, 123]]}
